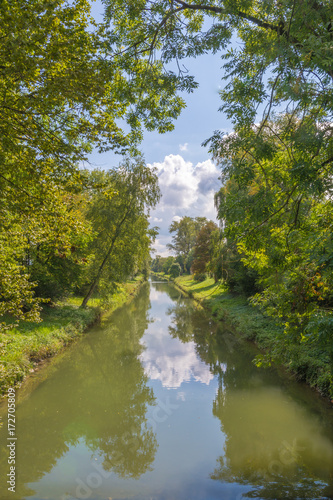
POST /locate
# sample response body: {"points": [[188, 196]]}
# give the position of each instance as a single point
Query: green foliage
{"points": [[240, 278], [284, 58], [119, 211], [57, 264], [203, 249], [183, 241], [63, 93], [279, 227], [162, 264], [157, 264], [167, 264], [175, 270]]}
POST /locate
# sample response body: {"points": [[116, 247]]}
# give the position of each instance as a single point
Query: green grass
{"points": [[24, 346], [200, 290], [309, 362]]}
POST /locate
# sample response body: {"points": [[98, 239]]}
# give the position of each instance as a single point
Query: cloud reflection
{"points": [[171, 361]]}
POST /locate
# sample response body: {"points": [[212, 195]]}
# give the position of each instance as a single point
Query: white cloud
{"points": [[160, 245], [183, 147], [186, 189]]}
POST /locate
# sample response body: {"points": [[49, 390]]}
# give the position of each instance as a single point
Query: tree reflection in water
{"points": [[276, 436], [273, 438], [96, 395]]}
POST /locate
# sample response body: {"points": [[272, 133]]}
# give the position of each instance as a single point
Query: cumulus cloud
{"points": [[183, 147], [187, 189]]}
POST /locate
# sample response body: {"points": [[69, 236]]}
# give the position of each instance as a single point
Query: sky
{"points": [[187, 176]]}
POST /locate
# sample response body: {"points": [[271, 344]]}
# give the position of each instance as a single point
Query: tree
{"points": [[62, 94], [167, 264], [175, 270], [185, 230], [41, 251], [285, 54], [57, 261], [281, 230], [119, 215], [162, 264], [203, 248], [63, 89], [156, 265]]}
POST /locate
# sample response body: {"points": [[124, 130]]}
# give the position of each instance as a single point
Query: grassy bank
{"points": [[309, 362], [25, 346]]}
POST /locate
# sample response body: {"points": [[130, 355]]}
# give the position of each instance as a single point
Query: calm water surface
{"points": [[160, 403]]}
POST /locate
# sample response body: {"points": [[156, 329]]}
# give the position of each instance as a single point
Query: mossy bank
{"points": [[23, 348], [308, 362]]}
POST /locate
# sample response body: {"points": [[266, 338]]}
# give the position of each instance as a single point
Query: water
{"points": [[160, 403]]}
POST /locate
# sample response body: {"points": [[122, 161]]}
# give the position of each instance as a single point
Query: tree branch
{"points": [[270, 215], [326, 162], [218, 10], [162, 23]]}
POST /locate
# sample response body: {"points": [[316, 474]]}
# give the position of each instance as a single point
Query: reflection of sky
{"points": [[166, 358]]}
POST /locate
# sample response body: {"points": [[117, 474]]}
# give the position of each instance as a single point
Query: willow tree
{"points": [[119, 214]]}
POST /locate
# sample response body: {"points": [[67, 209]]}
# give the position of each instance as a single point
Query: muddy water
{"points": [[161, 403]]}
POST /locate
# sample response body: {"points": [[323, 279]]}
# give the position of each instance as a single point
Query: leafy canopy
{"points": [[284, 58], [63, 93]]}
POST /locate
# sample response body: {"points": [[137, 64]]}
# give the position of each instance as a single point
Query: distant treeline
{"points": [[193, 243]]}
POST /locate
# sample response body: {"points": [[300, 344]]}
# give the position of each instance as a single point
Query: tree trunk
{"points": [[101, 267], [98, 275]]}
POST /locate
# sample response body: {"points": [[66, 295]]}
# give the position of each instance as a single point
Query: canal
{"points": [[162, 403]]}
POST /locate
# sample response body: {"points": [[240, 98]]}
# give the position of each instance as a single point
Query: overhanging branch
{"points": [[219, 10]]}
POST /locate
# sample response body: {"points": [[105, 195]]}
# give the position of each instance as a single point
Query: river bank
{"points": [[25, 347], [308, 363]]}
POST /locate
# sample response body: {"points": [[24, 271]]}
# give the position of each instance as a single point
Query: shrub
{"points": [[174, 270]]}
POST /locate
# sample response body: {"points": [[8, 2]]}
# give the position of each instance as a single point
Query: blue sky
{"points": [[188, 178]]}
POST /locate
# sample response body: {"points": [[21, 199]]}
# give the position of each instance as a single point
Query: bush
{"points": [[174, 270]]}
